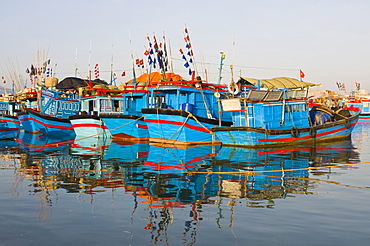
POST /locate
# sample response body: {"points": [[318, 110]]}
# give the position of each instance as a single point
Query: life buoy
{"points": [[233, 88], [312, 132], [294, 132]]}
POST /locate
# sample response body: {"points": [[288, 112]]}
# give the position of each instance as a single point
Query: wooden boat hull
{"points": [[179, 127], [26, 123], [48, 125], [364, 118], [9, 126], [259, 137], [86, 126], [127, 127]]}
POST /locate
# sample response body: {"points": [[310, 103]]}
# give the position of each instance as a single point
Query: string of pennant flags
{"points": [[188, 56], [157, 55]]}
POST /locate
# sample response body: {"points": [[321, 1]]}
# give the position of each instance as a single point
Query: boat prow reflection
{"points": [[90, 147], [178, 160], [42, 143]]}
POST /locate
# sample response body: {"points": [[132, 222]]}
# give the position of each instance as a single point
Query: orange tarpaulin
{"points": [[156, 77]]}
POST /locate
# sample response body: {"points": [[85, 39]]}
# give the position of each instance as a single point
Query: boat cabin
{"points": [[105, 101], [59, 104], [191, 96], [269, 109]]}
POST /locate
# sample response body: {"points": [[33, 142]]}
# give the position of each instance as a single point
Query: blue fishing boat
{"points": [[363, 106], [51, 117], [9, 122], [182, 112], [48, 106], [112, 112], [271, 116]]}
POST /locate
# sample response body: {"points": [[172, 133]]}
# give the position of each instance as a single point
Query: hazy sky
{"points": [[328, 40]]}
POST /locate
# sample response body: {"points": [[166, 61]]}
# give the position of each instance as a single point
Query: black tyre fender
{"points": [[294, 132]]}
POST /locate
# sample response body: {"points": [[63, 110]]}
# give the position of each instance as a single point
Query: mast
{"points": [[111, 68], [223, 56], [132, 58], [88, 69], [76, 69]]}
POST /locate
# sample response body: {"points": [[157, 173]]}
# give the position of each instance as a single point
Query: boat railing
{"points": [[109, 92], [189, 84]]}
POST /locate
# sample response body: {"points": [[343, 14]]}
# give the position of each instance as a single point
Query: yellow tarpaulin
{"points": [[280, 82]]}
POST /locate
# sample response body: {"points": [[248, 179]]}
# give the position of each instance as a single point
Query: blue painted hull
{"points": [[26, 123], [9, 127], [170, 126], [259, 137], [49, 125], [127, 127]]}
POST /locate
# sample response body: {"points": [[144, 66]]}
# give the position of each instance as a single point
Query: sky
{"points": [[329, 40]]}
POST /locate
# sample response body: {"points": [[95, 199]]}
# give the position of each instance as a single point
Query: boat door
{"points": [[91, 106]]}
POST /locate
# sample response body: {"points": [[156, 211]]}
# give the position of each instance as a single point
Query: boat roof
{"points": [[75, 83], [278, 83]]}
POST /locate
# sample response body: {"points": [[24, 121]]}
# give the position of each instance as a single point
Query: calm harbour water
{"points": [[91, 193]]}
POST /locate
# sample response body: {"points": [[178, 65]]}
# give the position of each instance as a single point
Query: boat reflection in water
{"points": [[162, 179], [266, 174]]}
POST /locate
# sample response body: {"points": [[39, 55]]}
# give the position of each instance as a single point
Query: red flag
{"points": [[301, 74], [146, 53]]}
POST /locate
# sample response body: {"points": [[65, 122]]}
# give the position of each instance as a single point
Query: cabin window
{"points": [[303, 107], [288, 108], [116, 105]]}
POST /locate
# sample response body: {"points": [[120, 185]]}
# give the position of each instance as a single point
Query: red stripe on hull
{"points": [[142, 126], [52, 126], [196, 128], [8, 129], [89, 125], [12, 121]]}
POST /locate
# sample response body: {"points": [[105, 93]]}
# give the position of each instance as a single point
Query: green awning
{"points": [[279, 83]]}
